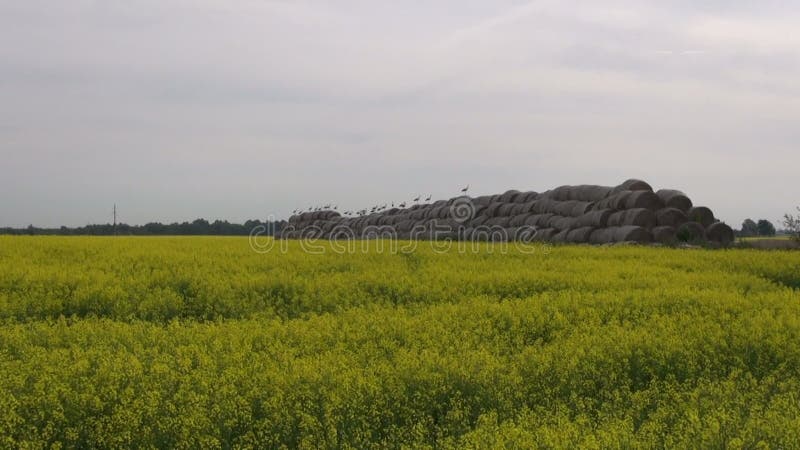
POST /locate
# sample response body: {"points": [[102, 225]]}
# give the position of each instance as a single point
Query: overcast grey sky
{"points": [[235, 109]]}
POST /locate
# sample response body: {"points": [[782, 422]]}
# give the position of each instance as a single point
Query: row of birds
{"points": [[365, 211]]}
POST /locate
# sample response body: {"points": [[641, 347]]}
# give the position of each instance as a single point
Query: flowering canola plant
{"points": [[201, 342]]}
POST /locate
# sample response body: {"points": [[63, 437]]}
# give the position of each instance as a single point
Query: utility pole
{"points": [[115, 219]]}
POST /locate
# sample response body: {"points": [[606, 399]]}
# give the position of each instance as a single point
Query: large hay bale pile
{"points": [[628, 212]]}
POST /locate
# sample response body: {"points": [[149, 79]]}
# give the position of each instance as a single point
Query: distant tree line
{"points": [[199, 227], [752, 228]]}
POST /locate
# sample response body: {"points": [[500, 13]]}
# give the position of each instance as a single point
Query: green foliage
{"points": [[203, 343], [749, 228], [765, 228], [792, 224]]}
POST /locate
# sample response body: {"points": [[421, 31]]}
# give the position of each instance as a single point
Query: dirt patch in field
{"points": [[771, 244]]}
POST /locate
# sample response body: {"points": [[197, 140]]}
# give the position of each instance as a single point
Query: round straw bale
{"points": [[519, 197], [632, 185], [671, 217], [602, 235], [418, 214], [545, 234], [505, 210], [540, 220], [701, 215], [581, 208], [596, 219], [664, 234], [720, 232], [580, 235], [492, 209], [690, 232], [561, 193], [532, 220], [508, 195], [638, 217], [484, 200], [560, 236], [511, 233], [525, 234], [529, 206], [478, 221], [405, 225], [500, 221], [528, 197], [631, 233], [519, 219], [563, 223], [590, 192], [564, 208], [615, 201], [546, 205], [518, 208], [675, 199], [643, 199]]}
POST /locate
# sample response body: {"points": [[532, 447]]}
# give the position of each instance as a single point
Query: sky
{"points": [[239, 109]]}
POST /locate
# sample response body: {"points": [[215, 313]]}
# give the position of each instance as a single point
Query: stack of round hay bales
{"points": [[628, 212]]}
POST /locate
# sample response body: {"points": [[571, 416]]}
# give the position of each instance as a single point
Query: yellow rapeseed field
{"points": [[195, 342]]}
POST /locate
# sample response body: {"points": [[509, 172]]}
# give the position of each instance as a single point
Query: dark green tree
{"points": [[766, 228], [749, 228]]}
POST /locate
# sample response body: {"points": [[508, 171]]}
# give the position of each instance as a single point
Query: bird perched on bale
{"points": [[428, 198], [465, 189]]}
